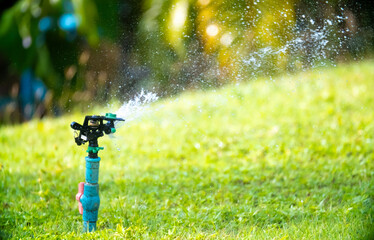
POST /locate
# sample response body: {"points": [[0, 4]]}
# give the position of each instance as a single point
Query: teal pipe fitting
{"points": [[90, 203], [92, 170], [90, 199]]}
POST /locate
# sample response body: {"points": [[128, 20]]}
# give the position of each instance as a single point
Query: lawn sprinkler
{"points": [[88, 192]]}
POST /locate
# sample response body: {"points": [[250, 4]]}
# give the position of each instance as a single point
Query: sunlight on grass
{"points": [[290, 159]]}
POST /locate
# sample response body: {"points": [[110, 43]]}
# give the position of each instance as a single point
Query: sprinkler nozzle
{"points": [[94, 127]]}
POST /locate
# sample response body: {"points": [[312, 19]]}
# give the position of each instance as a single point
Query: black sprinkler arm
{"points": [[94, 127]]}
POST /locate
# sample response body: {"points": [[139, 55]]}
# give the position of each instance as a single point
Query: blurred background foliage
{"points": [[55, 54]]}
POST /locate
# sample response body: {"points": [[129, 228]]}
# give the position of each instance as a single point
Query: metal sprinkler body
{"points": [[88, 191]]}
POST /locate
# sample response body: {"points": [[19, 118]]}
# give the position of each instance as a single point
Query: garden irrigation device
{"points": [[88, 192]]}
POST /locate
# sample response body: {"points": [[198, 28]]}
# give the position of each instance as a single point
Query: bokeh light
{"points": [[212, 30]]}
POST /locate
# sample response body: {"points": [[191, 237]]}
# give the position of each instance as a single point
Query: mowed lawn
{"points": [[286, 159]]}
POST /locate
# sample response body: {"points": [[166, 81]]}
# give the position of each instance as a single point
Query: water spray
{"points": [[88, 191]]}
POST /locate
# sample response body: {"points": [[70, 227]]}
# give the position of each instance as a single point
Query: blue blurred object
{"points": [[45, 24], [32, 92], [68, 22]]}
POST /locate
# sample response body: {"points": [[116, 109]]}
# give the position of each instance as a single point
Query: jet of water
{"points": [[136, 108]]}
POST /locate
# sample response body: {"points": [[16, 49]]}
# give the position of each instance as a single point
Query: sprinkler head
{"points": [[93, 128]]}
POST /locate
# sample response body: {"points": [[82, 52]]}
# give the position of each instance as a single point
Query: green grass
{"points": [[290, 159]]}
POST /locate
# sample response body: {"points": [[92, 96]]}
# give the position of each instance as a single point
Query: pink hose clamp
{"points": [[79, 195]]}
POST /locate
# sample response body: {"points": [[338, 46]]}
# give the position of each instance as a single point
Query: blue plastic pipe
{"points": [[90, 199]]}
